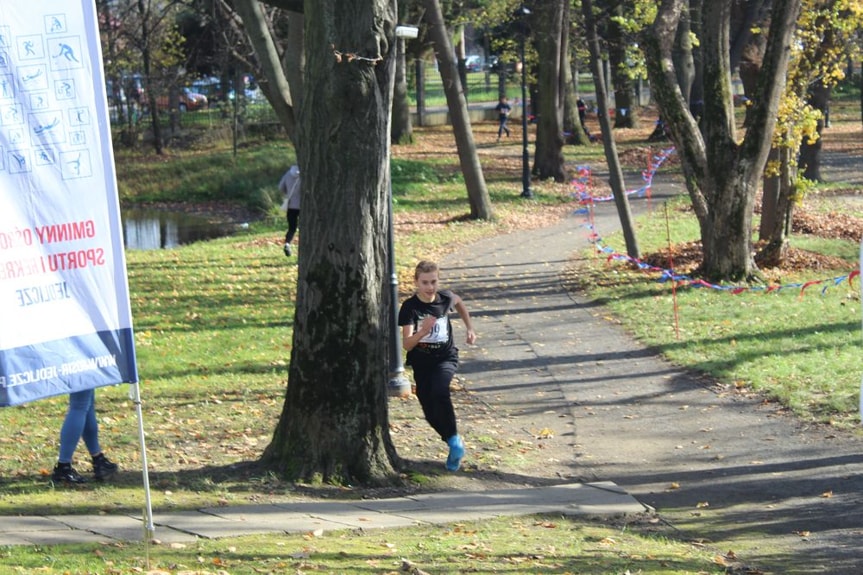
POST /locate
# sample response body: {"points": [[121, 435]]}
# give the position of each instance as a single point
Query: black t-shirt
{"points": [[437, 345]]}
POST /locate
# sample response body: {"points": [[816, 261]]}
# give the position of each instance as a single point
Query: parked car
{"points": [[473, 63], [189, 101]]}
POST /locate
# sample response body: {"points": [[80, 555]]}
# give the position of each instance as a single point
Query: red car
{"points": [[189, 101]]}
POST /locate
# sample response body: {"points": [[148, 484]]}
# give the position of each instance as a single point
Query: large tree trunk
{"points": [[480, 203], [551, 41], [618, 187], [334, 423], [721, 175]]}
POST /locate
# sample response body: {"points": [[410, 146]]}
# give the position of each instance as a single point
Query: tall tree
{"points": [[552, 43], [334, 422], [721, 172], [619, 42], [618, 187], [480, 203]]}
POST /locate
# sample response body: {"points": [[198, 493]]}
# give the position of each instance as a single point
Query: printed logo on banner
{"points": [[55, 23]]}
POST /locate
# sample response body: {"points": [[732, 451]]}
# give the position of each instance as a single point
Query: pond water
{"points": [[148, 229]]}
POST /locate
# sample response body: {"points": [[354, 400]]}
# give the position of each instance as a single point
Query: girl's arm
{"points": [[411, 338], [459, 306]]}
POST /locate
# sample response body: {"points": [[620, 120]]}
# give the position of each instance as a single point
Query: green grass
{"points": [[197, 176], [522, 545], [801, 348]]}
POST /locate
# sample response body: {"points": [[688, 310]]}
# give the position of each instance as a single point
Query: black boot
{"points": [[65, 473], [103, 468]]}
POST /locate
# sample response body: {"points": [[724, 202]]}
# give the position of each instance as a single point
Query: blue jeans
{"points": [[80, 423]]}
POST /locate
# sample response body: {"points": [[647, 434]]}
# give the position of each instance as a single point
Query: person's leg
{"points": [[90, 433], [80, 404], [434, 395], [433, 392], [293, 224]]}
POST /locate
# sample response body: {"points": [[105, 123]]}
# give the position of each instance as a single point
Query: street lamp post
{"points": [[398, 385], [522, 13]]}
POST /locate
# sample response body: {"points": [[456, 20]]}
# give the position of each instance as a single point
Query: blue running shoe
{"points": [[456, 452]]}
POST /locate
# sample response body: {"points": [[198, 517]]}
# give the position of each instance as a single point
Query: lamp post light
{"points": [[398, 385], [522, 13]]}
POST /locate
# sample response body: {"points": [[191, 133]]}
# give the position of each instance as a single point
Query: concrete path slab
{"points": [[601, 498]]}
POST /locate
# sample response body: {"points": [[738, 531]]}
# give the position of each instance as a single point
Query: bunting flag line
{"points": [[583, 184]]}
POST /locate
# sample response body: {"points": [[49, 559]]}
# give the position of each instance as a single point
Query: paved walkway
{"points": [[601, 498]]}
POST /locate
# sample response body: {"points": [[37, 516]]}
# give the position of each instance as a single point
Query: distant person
{"points": [[290, 187], [427, 337], [81, 423], [503, 108], [582, 112]]}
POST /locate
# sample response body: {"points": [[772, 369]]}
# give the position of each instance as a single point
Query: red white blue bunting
{"points": [[583, 184]]}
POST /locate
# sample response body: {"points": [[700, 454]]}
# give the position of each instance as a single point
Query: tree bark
{"points": [[334, 423], [552, 42], [684, 65], [618, 187], [696, 93], [480, 203], [776, 227]]}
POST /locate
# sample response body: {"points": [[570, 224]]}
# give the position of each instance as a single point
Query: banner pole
{"points": [[135, 393]]}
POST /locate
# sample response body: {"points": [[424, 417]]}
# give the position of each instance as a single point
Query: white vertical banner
{"points": [[65, 319]]}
